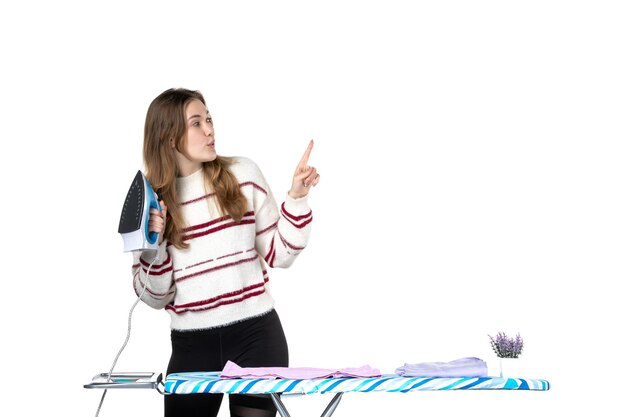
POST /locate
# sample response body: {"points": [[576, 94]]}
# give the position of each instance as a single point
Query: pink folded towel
{"points": [[232, 370]]}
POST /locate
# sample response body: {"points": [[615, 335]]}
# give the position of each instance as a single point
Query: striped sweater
{"points": [[222, 278]]}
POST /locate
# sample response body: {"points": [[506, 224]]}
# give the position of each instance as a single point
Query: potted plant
{"points": [[507, 349]]}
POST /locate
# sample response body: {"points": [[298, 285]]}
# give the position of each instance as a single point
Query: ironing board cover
{"points": [[210, 382]]}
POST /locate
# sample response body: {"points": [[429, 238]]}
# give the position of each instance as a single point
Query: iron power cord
{"points": [[130, 315]]}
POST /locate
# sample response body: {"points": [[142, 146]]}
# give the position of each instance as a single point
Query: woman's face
{"points": [[199, 144]]}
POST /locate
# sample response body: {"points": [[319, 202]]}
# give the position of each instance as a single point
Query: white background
{"points": [[472, 162]]}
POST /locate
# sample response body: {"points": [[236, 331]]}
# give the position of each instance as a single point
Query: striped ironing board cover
{"points": [[210, 382]]}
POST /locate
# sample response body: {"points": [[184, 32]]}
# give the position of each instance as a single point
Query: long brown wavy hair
{"points": [[165, 120]]}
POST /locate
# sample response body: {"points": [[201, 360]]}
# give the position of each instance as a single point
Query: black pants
{"points": [[259, 341]]}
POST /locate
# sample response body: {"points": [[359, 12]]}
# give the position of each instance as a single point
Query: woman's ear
{"points": [[172, 143]]}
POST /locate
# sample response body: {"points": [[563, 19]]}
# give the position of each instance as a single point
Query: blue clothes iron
{"points": [[135, 214]]}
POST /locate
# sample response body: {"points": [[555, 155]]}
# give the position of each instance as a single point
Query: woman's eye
{"points": [[209, 120], [195, 124]]}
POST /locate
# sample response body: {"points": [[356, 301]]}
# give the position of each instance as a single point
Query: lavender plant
{"points": [[507, 347]]}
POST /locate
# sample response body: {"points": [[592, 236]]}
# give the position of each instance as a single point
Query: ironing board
{"points": [[210, 382]]}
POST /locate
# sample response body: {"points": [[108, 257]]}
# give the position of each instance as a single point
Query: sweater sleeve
{"points": [[160, 288], [281, 233]]}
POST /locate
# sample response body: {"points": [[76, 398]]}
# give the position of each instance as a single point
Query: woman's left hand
{"points": [[305, 176]]}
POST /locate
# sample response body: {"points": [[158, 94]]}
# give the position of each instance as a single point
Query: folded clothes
{"points": [[464, 367], [232, 370]]}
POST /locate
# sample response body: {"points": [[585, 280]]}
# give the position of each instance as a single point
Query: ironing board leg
{"points": [[279, 405], [330, 409], [332, 405]]}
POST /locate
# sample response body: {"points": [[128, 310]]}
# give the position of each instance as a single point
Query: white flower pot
{"points": [[511, 368]]}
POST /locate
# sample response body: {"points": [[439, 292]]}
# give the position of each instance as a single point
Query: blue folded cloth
{"points": [[464, 367]]}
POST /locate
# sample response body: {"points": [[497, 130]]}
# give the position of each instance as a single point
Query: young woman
{"points": [[219, 230]]}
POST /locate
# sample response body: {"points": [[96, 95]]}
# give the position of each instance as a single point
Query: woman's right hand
{"points": [[157, 220]]}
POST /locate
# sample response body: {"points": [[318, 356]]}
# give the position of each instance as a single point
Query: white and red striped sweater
{"points": [[221, 277]]}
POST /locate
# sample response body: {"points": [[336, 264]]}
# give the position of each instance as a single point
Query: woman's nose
{"points": [[208, 130]]}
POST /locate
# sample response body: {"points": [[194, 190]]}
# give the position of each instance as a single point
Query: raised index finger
{"points": [[307, 153]]}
